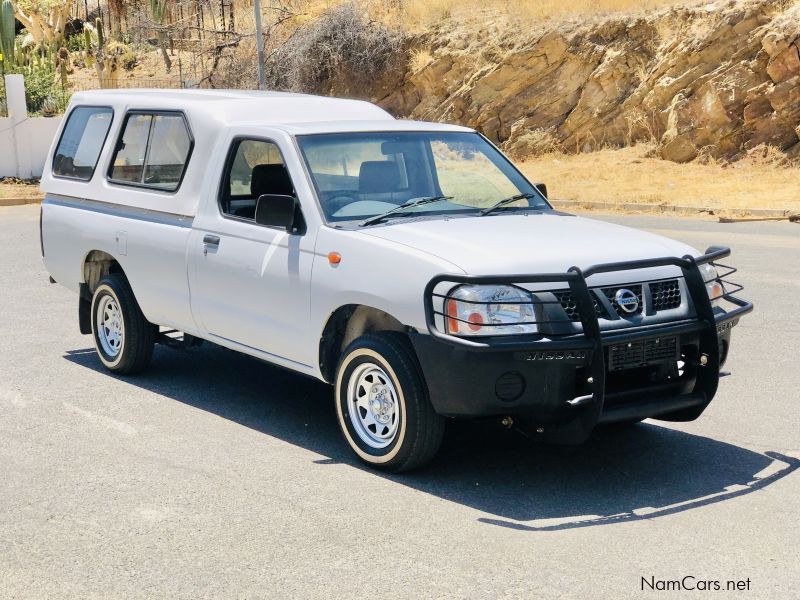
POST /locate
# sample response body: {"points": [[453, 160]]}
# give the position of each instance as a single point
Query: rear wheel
{"points": [[382, 404], [123, 338]]}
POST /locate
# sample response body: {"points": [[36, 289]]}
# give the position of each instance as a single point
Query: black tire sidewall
{"points": [[359, 353], [106, 288], [139, 334]]}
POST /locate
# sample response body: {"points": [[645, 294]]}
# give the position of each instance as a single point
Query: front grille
{"points": [[641, 354], [611, 293], [570, 307], [665, 294]]}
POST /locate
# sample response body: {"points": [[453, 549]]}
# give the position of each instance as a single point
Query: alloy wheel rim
{"points": [[372, 404], [110, 326]]}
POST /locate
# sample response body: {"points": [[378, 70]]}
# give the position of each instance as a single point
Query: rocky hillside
{"points": [[717, 79]]}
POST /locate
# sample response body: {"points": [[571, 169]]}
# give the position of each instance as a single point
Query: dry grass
{"points": [[420, 59], [11, 188], [420, 14], [424, 12], [627, 175]]}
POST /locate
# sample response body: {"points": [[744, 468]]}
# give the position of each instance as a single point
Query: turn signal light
{"points": [[452, 314], [715, 291], [334, 258]]}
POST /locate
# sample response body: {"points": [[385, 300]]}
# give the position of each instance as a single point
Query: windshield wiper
{"points": [[504, 201], [401, 208]]}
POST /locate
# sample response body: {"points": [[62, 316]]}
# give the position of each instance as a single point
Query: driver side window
{"points": [[254, 168]]}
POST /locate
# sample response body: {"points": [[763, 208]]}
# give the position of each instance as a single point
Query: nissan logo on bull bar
{"points": [[627, 300]]}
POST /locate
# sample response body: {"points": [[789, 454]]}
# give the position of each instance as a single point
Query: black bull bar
{"points": [[590, 341]]}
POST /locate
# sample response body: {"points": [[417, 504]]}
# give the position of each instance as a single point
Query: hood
{"points": [[548, 242]]}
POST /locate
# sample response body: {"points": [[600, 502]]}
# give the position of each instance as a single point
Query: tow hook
{"points": [[581, 400], [703, 361]]}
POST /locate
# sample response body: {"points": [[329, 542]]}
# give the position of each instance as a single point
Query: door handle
{"points": [[210, 240]]}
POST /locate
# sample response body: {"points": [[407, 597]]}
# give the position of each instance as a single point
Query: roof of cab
{"points": [[300, 113]]}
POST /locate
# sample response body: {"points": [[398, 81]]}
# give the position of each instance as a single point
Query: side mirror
{"points": [[542, 187], [276, 210]]}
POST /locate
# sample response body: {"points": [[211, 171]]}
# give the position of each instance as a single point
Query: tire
{"points": [[382, 404], [123, 338]]}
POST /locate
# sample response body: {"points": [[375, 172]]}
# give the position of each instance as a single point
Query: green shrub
{"points": [[40, 83], [75, 43]]}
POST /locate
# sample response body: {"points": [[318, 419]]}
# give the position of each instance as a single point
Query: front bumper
{"points": [[566, 385]]}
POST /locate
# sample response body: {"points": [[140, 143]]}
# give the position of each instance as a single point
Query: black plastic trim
{"points": [[706, 327], [575, 278]]}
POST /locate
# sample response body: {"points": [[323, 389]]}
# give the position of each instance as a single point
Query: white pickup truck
{"points": [[409, 264]]}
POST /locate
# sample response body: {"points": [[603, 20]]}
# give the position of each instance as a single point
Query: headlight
{"points": [[714, 286], [489, 310]]}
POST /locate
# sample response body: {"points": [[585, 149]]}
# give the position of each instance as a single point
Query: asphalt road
{"points": [[214, 475]]}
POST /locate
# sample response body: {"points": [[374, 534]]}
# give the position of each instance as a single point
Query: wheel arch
{"points": [[344, 325], [96, 265]]}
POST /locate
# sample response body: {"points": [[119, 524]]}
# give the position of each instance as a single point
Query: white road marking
{"points": [[101, 420], [13, 397]]}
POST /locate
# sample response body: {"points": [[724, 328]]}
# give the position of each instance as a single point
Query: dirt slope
{"points": [[718, 79]]}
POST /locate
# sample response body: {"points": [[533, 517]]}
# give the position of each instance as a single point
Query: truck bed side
{"points": [[149, 246]]}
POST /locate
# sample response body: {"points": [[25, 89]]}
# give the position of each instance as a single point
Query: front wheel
{"points": [[382, 404], [123, 338]]}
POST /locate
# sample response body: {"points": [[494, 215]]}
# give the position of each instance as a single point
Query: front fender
{"points": [[372, 272]]}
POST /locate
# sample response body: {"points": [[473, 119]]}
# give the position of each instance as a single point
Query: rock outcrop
{"points": [[718, 80]]}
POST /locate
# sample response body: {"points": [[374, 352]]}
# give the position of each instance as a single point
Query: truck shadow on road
{"points": [[644, 472]]}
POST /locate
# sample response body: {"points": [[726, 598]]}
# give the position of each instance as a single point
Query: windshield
{"points": [[360, 175]]}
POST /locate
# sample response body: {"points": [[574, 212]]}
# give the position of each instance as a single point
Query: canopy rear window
{"points": [[81, 142]]}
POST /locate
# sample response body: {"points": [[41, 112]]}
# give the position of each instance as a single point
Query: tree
{"points": [[159, 10], [118, 13], [45, 20]]}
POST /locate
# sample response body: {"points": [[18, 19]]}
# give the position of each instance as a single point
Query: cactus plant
{"points": [[98, 26], [19, 55], [87, 43], [63, 65], [7, 30], [106, 62]]}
